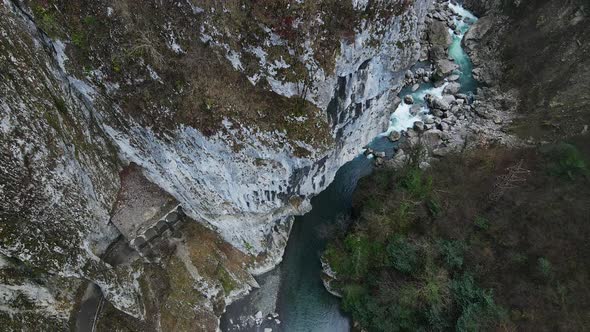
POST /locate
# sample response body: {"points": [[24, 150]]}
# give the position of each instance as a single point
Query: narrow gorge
{"points": [[192, 165]]}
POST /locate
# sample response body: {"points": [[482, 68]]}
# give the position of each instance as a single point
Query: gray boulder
{"points": [[444, 67], [452, 88], [418, 126], [409, 99], [461, 96], [438, 113], [439, 38], [450, 99], [432, 138], [378, 161], [379, 154], [453, 77], [477, 31], [394, 136], [440, 104]]}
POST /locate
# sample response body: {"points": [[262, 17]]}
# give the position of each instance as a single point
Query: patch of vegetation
{"points": [[227, 282], [46, 19], [442, 255], [565, 160], [481, 222]]}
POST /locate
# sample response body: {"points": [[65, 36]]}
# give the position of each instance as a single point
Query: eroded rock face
{"points": [[240, 125], [243, 193], [58, 182]]}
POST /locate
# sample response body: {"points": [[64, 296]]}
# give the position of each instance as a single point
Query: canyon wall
{"points": [[240, 112]]}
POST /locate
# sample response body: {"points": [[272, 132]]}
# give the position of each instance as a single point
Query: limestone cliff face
{"points": [[245, 192], [242, 116], [58, 181]]}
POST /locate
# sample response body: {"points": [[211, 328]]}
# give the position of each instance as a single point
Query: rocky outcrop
{"points": [[59, 181], [256, 123], [439, 38], [509, 58], [244, 193]]}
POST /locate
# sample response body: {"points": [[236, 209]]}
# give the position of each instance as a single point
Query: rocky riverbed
{"points": [[452, 103]]}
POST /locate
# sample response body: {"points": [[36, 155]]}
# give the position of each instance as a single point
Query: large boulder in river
{"points": [[477, 31], [439, 38], [415, 109], [418, 126], [452, 88], [409, 99], [444, 67], [453, 77], [439, 103], [394, 136]]}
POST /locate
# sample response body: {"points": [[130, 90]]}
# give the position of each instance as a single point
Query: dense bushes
{"points": [[403, 281], [565, 160], [429, 251]]}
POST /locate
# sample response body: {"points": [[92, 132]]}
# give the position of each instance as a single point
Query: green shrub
{"points": [[402, 255], [477, 307], [544, 267], [565, 160], [437, 318], [435, 289], [354, 300], [359, 251], [373, 204], [402, 218], [434, 207], [227, 282], [408, 295], [465, 291], [416, 183], [338, 260], [482, 222], [79, 39], [46, 20], [452, 253]]}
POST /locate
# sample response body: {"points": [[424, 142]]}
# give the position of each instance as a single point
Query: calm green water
{"points": [[303, 303]]}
